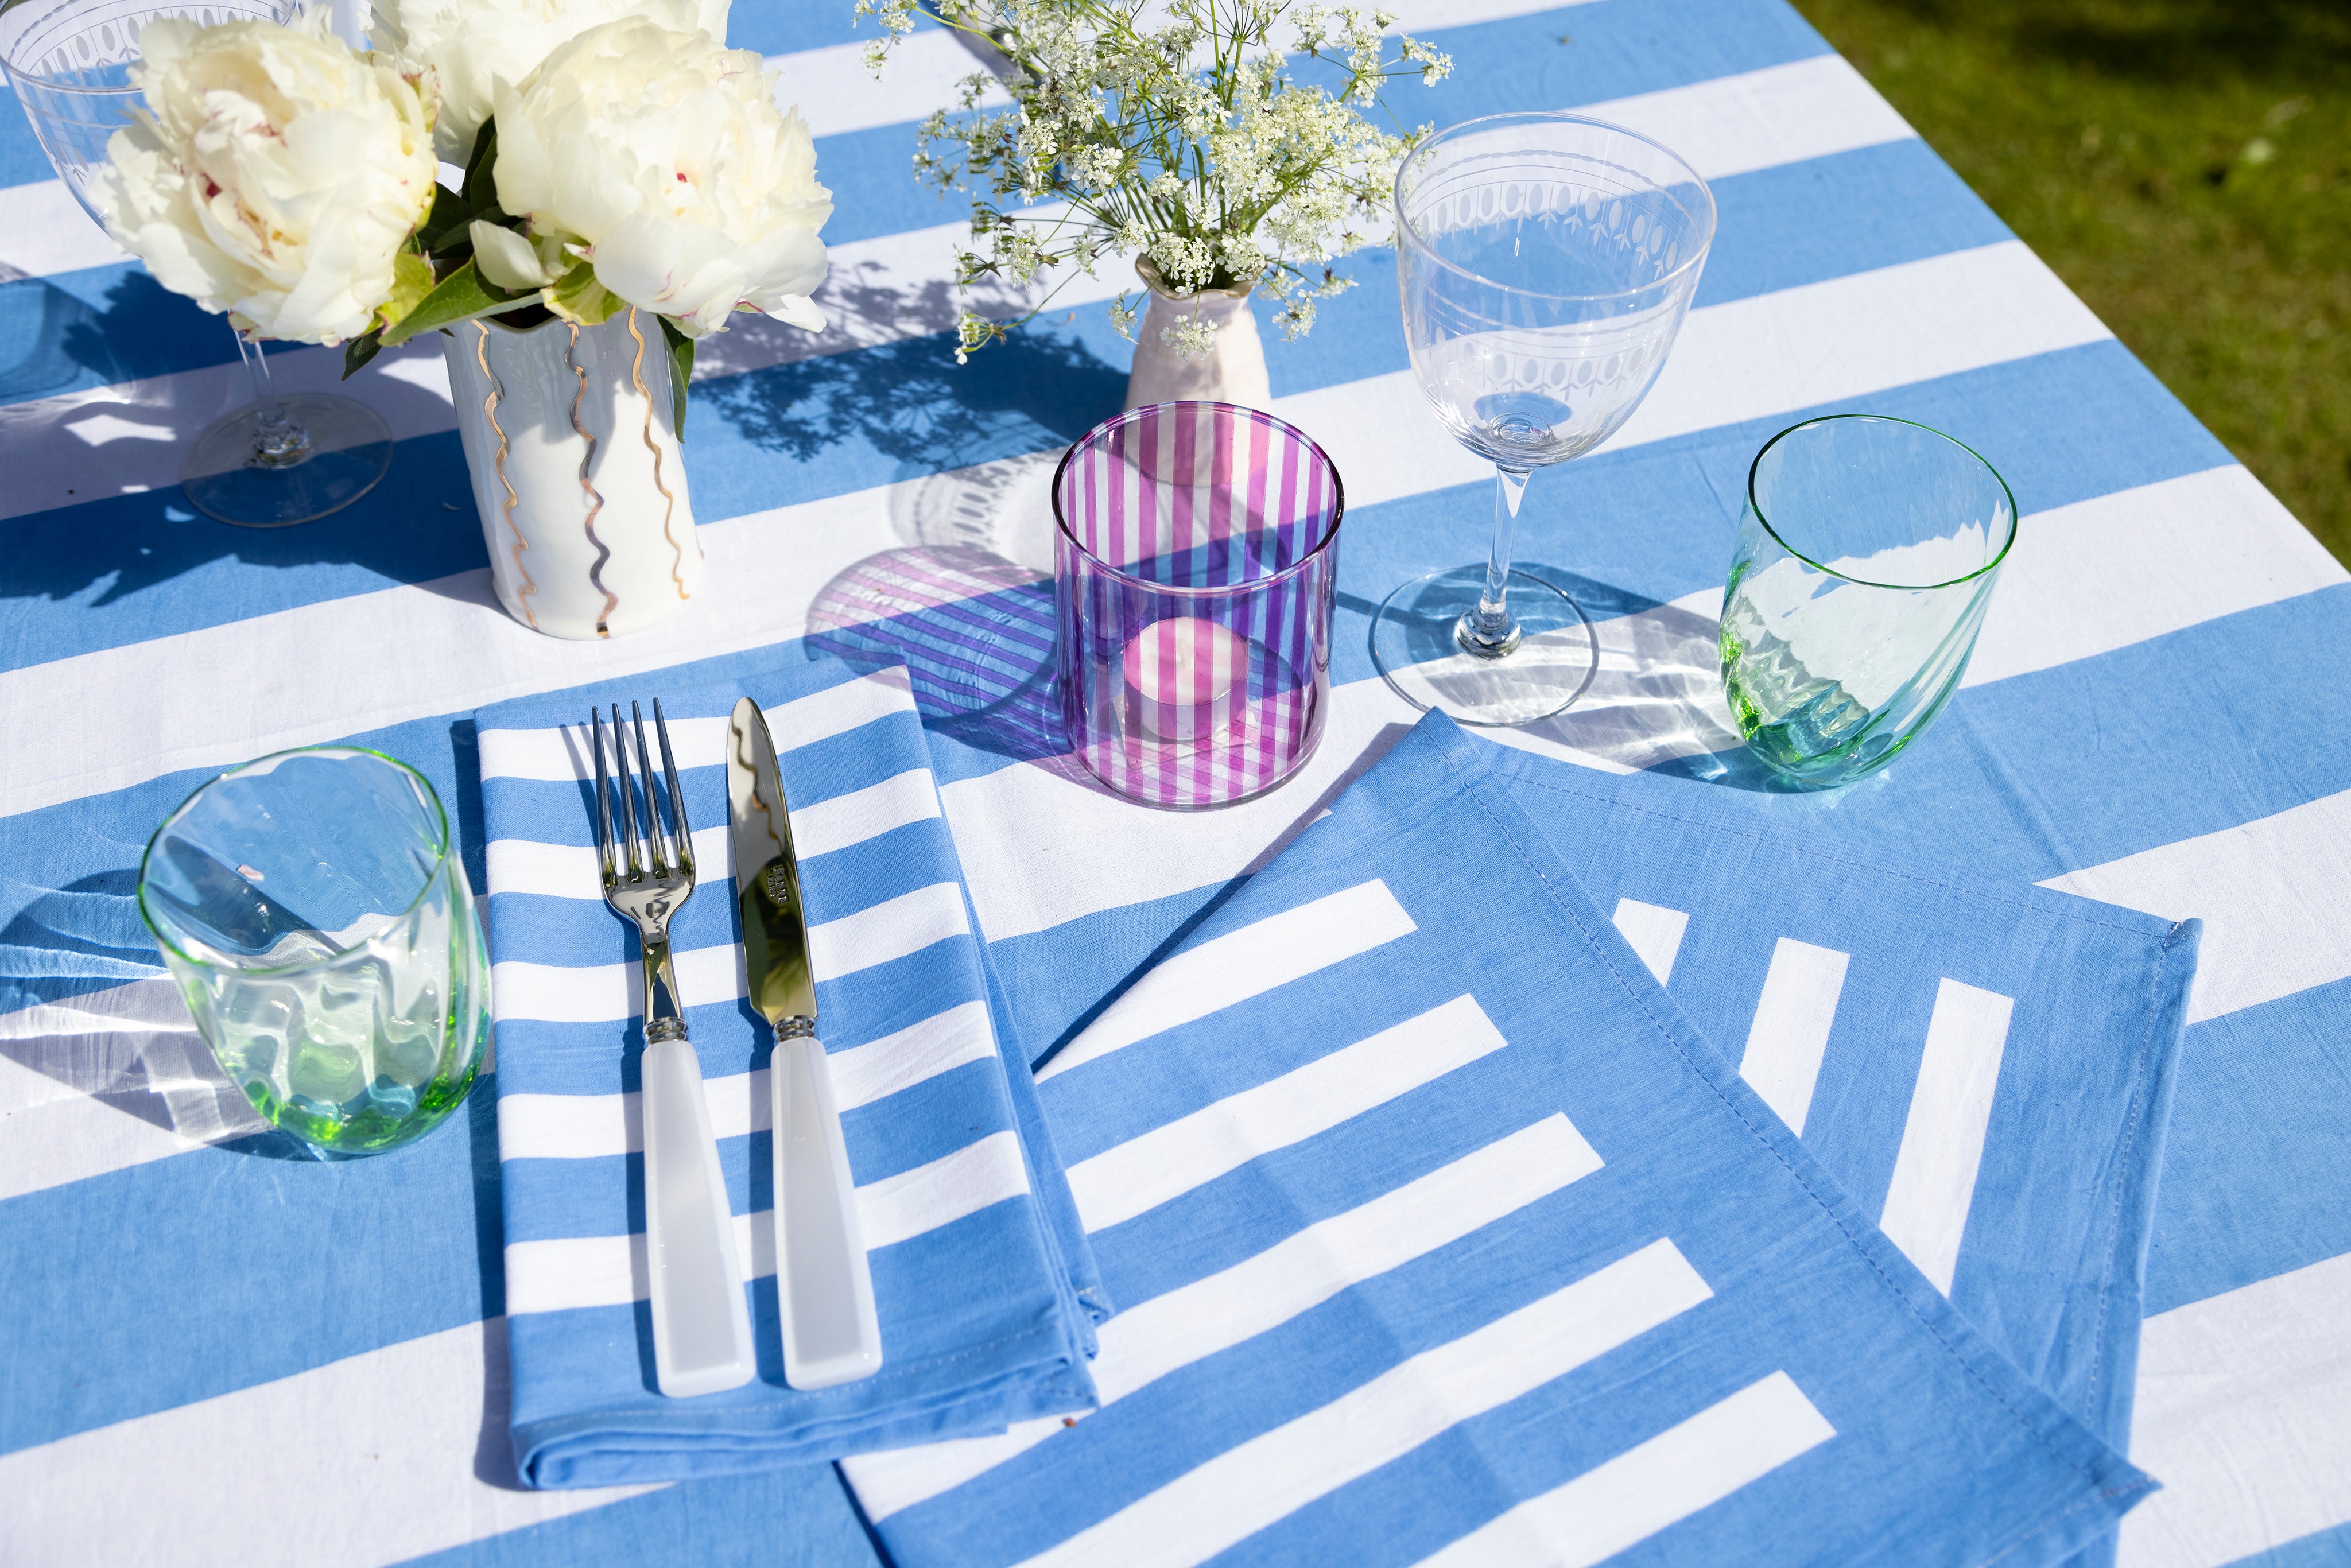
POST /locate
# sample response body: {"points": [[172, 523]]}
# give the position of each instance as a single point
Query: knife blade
{"points": [[824, 1288]]}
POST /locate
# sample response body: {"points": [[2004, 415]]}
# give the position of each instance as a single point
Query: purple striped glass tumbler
{"points": [[1193, 569]]}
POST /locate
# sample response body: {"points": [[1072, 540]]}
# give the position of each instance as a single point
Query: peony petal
{"points": [[506, 258]]}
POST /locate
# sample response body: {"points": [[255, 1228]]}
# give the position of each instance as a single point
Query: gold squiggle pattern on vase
{"points": [[595, 501], [490, 413], [669, 502]]}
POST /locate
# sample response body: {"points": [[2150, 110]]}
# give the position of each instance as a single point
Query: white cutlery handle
{"points": [[823, 1287], [702, 1325]]}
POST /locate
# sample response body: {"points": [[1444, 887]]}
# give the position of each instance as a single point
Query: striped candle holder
{"points": [[1194, 558]]}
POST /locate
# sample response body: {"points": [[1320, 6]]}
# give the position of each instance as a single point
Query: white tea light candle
{"points": [[1181, 673]]}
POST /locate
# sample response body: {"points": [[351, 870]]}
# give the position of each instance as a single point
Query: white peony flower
{"points": [[661, 157], [274, 173], [474, 46]]}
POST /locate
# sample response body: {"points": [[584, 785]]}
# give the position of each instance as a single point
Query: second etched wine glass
{"points": [[283, 458], [1545, 262]]}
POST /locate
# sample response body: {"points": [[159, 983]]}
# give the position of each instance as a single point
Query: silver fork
{"points": [[702, 1325]]}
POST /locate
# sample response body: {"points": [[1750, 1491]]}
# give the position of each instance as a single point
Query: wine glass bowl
{"points": [[277, 460], [1544, 264], [70, 62]]}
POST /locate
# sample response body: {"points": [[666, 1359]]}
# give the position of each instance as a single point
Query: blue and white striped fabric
{"points": [[1984, 1066], [1445, 1237], [196, 1334], [978, 1263]]}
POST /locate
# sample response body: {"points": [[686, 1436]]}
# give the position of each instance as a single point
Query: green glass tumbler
{"points": [[317, 917], [1866, 556]]}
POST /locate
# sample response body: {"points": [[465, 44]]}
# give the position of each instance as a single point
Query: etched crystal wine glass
{"points": [[282, 458], [1545, 263]]}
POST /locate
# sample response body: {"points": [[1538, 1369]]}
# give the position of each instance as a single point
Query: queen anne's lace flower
{"points": [[272, 174], [1186, 142]]}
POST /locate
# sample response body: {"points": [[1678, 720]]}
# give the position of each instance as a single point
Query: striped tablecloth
{"points": [[209, 1354]]}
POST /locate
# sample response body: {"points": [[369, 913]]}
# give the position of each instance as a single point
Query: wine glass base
{"points": [[1416, 644], [351, 449]]}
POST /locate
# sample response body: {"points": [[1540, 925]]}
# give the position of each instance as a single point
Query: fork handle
{"points": [[702, 1325]]}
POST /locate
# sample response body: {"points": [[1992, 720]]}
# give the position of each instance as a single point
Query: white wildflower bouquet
{"points": [[616, 153], [1175, 132]]}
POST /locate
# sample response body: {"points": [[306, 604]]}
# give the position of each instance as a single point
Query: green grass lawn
{"points": [[2186, 167]]}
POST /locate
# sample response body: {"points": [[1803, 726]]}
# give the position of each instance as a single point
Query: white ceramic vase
{"points": [[1233, 370], [569, 433]]}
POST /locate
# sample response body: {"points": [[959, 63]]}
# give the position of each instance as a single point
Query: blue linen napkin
{"points": [[1444, 1235], [984, 1284], [1984, 1066]]}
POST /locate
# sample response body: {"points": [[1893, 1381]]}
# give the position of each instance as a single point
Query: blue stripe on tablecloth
{"points": [[1783, 226], [2092, 805], [229, 1278], [130, 568]]}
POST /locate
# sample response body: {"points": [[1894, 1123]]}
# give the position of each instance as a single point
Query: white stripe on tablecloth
{"points": [[1256, 1482], [608, 993], [1229, 969], [594, 1127], [2100, 574], [48, 232], [563, 754], [105, 1081], [2244, 1414], [2275, 896], [1652, 932], [1147, 1341], [1791, 1031], [577, 1271], [1012, 825], [571, 871], [1942, 1141], [312, 673], [1647, 1488], [1745, 360], [1192, 1150], [410, 1475]]}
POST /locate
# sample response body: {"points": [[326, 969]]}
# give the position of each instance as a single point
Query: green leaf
{"points": [[480, 188], [579, 298], [360, 350], [681, 371], [447, 220], [412, 281], [460, 296]]}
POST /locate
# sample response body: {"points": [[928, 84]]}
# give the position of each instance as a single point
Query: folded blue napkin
{"points": [[984, 1281], [1443, 1233], [1985, 1067]]}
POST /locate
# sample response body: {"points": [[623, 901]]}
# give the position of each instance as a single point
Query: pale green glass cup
{"points": [[1866, 558], [314, 911]]}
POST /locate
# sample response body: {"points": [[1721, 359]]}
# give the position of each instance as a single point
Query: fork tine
{"points": [[656, 835], [676, 795], [604, 796], [628, 796]]}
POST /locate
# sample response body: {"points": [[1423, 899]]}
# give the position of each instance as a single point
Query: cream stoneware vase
{"points": [[568, 433], [1233, 370]]}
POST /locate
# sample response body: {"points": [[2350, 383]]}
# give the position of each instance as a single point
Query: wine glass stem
{"points": [[277, 441], [1491, 631]]}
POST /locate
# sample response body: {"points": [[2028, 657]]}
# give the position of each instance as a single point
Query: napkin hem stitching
{"points": [[2131, 1139], [1470, 787], [1518, 778]]}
